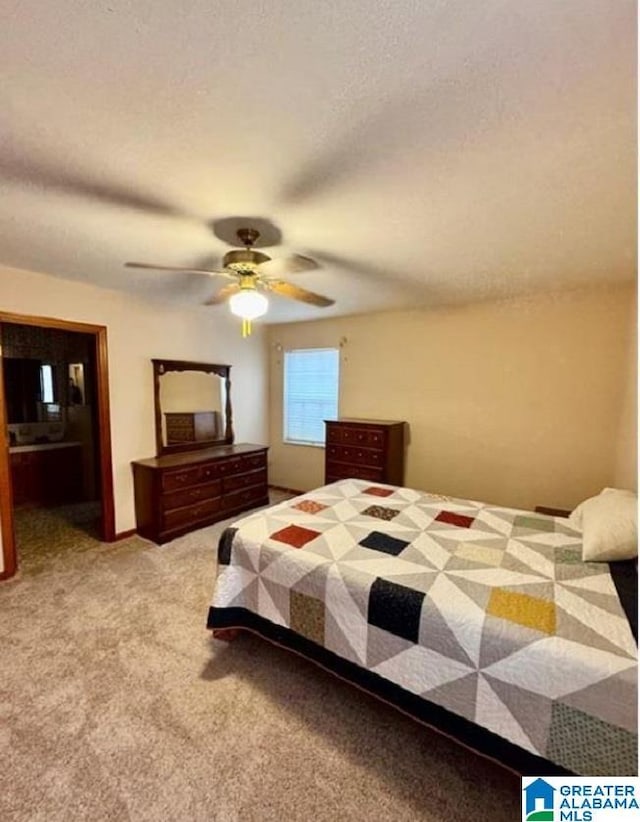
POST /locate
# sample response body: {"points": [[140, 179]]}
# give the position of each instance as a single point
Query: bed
{"points": [[481, 621]]}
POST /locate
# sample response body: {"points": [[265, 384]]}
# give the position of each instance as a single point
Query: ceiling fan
{"points": [[253, 272]]}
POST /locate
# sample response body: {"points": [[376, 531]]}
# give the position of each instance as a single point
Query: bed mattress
{"points": [[481, 620]]}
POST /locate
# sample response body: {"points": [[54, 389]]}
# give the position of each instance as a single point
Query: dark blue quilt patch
{"points": [[378, 541], [224, 545], [395, 608]]}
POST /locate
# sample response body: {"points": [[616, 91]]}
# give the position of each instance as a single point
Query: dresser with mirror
{"points": [[199, 475]]}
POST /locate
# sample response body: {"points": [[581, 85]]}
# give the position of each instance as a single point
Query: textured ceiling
{"points": [[428, 151]]}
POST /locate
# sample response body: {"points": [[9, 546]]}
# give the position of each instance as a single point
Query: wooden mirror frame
{"points": [[161, 367]]}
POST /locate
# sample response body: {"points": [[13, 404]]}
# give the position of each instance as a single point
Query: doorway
{"points": [[55, 458]]}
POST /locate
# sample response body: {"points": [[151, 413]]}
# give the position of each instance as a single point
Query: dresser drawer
{"points": [[191, 513], [239, 499], [254, 461], [371, 437], [173, 480], [354, 435], [230, 466], [353, 454], [334, 434], [246, 480], [340, 470], [188, 496], [183, 478]]}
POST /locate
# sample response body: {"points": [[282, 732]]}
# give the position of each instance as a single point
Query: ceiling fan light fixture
{"points": [[248, 304]]}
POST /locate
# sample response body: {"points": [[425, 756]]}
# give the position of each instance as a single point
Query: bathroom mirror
{"points": [[192, 405], [29, 384]]}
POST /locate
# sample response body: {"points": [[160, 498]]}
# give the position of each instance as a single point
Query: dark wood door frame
{"points": [[108, 523]]}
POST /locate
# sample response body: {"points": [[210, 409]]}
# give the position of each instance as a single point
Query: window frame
{"points": [[285, 405]]}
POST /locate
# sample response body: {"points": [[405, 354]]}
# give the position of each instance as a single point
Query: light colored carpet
{"points": [[115, 704], [46, 535]]}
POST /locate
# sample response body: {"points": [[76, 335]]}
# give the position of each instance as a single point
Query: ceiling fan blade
{"points": [[294, 292], [295, 264], [223, 295], [153, 267], [25, 169], [356, 266]]}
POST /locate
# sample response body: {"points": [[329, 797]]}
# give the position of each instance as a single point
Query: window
{"points": [[46, 383], [310, 393]]}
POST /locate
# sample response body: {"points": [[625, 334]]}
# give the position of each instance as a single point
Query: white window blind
{"points": [[310, 393]]}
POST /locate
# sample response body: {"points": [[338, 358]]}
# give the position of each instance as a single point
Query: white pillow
{"points": [[610, 527], [618, 491], [575, 517]]}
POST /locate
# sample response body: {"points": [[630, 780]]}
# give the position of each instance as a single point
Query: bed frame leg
{"points": [[225, 634]]}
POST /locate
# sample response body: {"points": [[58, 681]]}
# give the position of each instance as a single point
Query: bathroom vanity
{"points": [[46, 473]]}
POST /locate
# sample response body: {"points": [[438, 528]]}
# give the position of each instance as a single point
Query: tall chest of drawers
{"points": [[192, 426], [176, 493], [365, 449]]}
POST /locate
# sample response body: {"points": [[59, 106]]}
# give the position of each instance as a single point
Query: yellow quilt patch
{"points": [[523, 609]]}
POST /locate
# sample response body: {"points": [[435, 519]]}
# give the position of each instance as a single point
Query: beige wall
{"points": [[516, 403], [137, 331], [626, 469]]}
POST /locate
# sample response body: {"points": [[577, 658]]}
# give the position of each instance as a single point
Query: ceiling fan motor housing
{"points": [[244, 259]]}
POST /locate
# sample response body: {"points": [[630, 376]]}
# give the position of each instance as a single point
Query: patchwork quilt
{"points": [[488, 613]]}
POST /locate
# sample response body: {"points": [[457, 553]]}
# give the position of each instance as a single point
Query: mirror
{"points": [[192, 405], [29, 385]]}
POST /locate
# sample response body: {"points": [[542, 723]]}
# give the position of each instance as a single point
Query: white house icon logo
{"points": [[538, 802]]}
